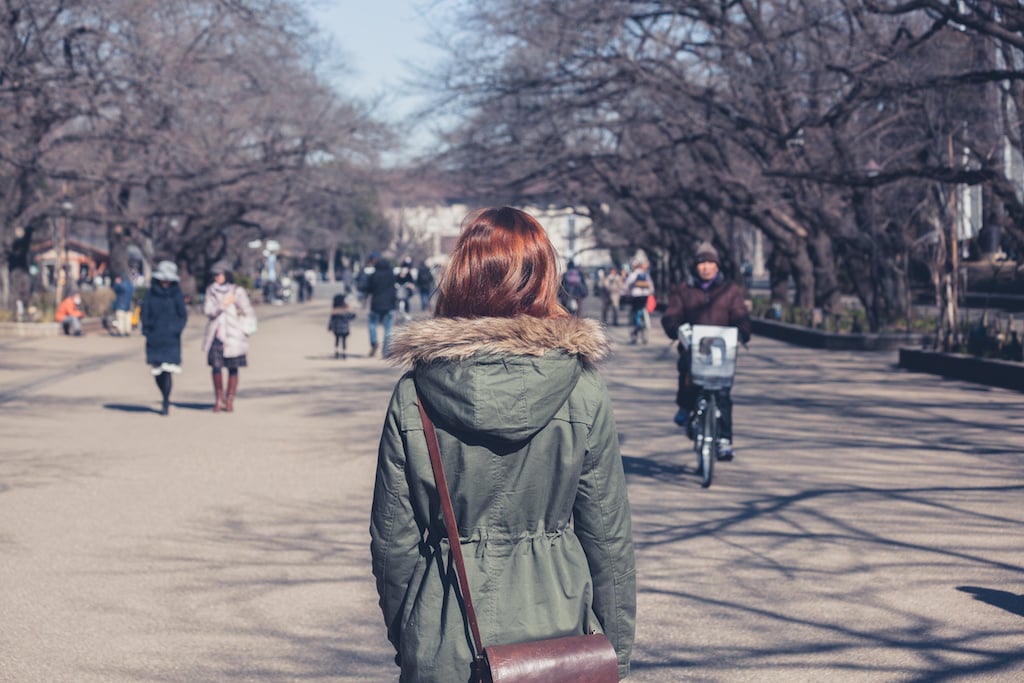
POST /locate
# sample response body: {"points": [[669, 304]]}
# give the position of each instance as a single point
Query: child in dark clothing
{"points": [[341, 315]]}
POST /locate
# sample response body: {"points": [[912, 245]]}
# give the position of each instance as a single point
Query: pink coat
{"points": [[236, 341]]}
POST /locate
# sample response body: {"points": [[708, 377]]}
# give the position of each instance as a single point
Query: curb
{"points": [[89, 326], [996, 373], [29, 329], [834, 341]]}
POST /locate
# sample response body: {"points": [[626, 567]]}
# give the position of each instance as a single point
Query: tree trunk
{"points": [[826, 276], [17, 282], [803, 273], [778, 276]]}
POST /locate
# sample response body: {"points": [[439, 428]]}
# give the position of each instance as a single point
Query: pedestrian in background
{"points": [[383, 295], [123, 290], [69, 314], [611, 296], [574, 288], [531, 452], [405, 281], [341, 317], [162, 319], [425, 284], [230, 319]]}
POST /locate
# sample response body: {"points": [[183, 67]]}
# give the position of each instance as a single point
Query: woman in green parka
{"points": [[531, 453]]}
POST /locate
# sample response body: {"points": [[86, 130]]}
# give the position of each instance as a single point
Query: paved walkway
{"points": [[870, 529]]}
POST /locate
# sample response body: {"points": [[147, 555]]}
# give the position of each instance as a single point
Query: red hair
{"points": [[502, 266]]}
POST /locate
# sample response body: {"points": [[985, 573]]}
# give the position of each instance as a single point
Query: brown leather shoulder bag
{"points": [[578, 659]]}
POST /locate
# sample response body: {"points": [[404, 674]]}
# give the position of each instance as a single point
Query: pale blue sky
{"points": [[378, 39]]}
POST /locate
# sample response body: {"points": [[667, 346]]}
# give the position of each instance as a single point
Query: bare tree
{"points": [[185, 127]]}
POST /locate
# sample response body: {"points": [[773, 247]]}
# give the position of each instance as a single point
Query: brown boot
{"points": [[218, 390], [229, 397]]}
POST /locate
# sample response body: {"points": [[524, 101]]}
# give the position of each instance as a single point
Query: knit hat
{"points": [[166, 270], [219, 267], [706, 252]]}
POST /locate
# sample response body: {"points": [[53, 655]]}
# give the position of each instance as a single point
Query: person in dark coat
{"points": [[383, 295], [713, 300], [341, 316], [163, 319], [425, 284]]}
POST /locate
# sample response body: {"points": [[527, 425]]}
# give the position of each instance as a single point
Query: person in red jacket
{"points": [[712, 300], [69, 315]]}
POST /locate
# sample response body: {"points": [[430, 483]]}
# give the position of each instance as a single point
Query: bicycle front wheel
{"points": [[709, 443]]}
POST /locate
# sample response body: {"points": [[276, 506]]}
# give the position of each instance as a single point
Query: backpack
{"points": [[574, 284], [424, 278]]}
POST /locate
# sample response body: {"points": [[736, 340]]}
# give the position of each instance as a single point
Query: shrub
{"points": [[97, 302]]}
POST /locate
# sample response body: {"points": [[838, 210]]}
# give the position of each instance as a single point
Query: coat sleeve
{"points": [[211, 304], [675, 313], [602, 523], [182, 311], [146, 316], [739, 315], [394, 535]]}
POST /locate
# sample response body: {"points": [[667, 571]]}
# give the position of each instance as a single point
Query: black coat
{"points": [[381, 288], [339, 322], [163, 318]]}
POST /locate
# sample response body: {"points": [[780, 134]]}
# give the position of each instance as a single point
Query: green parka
{"points": [[529, 443]]}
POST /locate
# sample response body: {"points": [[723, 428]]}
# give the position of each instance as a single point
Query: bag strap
{"points": [[449, 522]]}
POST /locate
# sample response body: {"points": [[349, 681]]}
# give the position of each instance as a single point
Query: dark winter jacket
{"points": [[574, 283], [162, 319], [529, 443], [721, 304], [381, 288], [340, 319], [424, 278]]}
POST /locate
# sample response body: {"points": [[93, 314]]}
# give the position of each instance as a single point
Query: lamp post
{"points": [[872, 169], [572, 237], [62, 249]]}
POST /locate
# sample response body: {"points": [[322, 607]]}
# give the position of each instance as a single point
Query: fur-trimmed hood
{"points": [[459, 338], [498, 379]]}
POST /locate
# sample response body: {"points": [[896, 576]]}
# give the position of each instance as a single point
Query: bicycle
{"points": [[712, 368]]}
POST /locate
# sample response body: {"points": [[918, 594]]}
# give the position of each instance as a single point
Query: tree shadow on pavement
{"points": [[1011, 602], [269, 591], [131, 408], [841, 544]]}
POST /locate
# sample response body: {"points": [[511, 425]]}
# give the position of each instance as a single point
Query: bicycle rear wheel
{"points": [[709, 442]]}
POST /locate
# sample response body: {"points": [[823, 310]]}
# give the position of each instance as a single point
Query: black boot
{"points": [[163, 380]]}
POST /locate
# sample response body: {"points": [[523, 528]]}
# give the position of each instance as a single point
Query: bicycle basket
{"points": [[713, 355]]}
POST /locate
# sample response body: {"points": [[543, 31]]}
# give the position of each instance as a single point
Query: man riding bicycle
{"points": [[713, 300]]}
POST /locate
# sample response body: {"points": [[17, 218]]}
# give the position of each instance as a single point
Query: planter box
{"points": [[29, 329], [834, 341], [995, 373], [89, 326]]}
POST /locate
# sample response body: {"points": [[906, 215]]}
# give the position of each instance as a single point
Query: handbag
{"points": [[248, 322], [581, 658], [249, 325]]}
